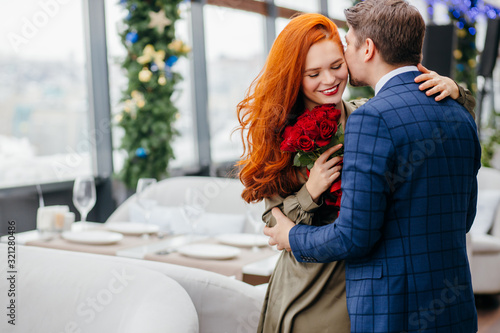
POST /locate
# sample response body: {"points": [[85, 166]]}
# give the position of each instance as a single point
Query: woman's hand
{"points": [[437, 84], [324, 173]]}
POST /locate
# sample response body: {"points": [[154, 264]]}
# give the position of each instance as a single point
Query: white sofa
{"points": [[485, 234], [63, 291]]}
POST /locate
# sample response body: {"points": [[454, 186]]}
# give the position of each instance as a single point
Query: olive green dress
{"points": [[310, 297]]}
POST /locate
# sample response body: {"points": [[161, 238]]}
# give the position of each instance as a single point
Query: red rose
{"points": [[324, 107], [306, 114], [310, 127], [291, 136], [305, 143], [327, 111], [333, 115], [319, 115], [327, 129], [336, 186]]}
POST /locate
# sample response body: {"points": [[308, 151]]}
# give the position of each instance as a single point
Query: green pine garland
{"points": [[465, 54], [148, 114]]}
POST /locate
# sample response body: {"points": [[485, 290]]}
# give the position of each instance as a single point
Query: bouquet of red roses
{"points": [[312, 134]]}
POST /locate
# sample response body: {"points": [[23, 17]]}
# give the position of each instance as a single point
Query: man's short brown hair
{"points": [[396, 28]]}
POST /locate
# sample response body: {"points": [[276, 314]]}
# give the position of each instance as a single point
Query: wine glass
{"points": [[84, 196], [192, 208], [146, 204]]}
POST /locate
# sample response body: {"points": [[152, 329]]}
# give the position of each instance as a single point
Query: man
{"points": [[409, 188]]}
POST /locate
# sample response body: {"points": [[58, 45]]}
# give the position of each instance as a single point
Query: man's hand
{"points": [[279, 233]]}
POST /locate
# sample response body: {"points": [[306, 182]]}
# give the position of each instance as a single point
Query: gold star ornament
{"points": [[158, 21]]}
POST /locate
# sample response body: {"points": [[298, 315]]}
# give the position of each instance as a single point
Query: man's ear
{"points": [[370, 49]]}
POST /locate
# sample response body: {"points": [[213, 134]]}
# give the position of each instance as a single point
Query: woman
{"points": [[305, 68]]}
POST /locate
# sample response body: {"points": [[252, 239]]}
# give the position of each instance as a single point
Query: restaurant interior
{"points": [[120, 201]]}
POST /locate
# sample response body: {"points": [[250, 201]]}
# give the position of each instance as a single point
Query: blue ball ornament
{"points": [[141, 153], [132, 37], [171, 61]]}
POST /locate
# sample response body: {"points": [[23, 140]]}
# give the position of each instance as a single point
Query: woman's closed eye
{"points": [[337, 66]]}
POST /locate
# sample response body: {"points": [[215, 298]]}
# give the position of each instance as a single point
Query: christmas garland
{"points": [[148, 113]]}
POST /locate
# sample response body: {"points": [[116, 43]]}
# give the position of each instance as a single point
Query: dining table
{"points": [[220, 254]]}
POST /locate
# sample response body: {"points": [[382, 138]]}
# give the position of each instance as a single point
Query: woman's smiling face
{"points": [[325, 74]]}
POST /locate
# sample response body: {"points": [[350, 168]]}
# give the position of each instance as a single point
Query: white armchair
{"points": [[62, 291], [485, 234], [223, 304], [220, 197]]}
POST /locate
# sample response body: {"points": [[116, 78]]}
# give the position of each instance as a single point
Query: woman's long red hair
{"points": [[271, 103]]}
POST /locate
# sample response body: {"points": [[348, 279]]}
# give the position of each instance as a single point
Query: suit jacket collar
{"points": [[400, 79]]}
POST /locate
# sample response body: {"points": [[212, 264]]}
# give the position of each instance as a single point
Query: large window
{"points": [[43, 93], [310, 6], [235, 55]]}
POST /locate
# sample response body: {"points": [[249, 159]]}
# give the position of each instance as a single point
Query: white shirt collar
{"points": [[383, 80]]}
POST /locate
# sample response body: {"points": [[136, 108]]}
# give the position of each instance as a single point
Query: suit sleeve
{"points": [[368, 154]]}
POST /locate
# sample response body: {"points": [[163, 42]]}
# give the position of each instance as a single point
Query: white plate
{"points": [[209, 251], [243, 240], [132, 228], [94, 237]]}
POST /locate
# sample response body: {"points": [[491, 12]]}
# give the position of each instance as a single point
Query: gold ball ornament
{"points": [[472, 63], [145, 75], [457, 54], [461, 33], [162, 81]]}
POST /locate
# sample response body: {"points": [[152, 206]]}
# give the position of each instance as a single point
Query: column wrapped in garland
{"points": [[148, 112]]}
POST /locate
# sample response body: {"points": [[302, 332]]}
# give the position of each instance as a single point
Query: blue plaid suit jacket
{"points": [[409, 197]]}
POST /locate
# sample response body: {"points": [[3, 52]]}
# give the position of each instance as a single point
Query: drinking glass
{"points": [[146, 204], [84, 196]]}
